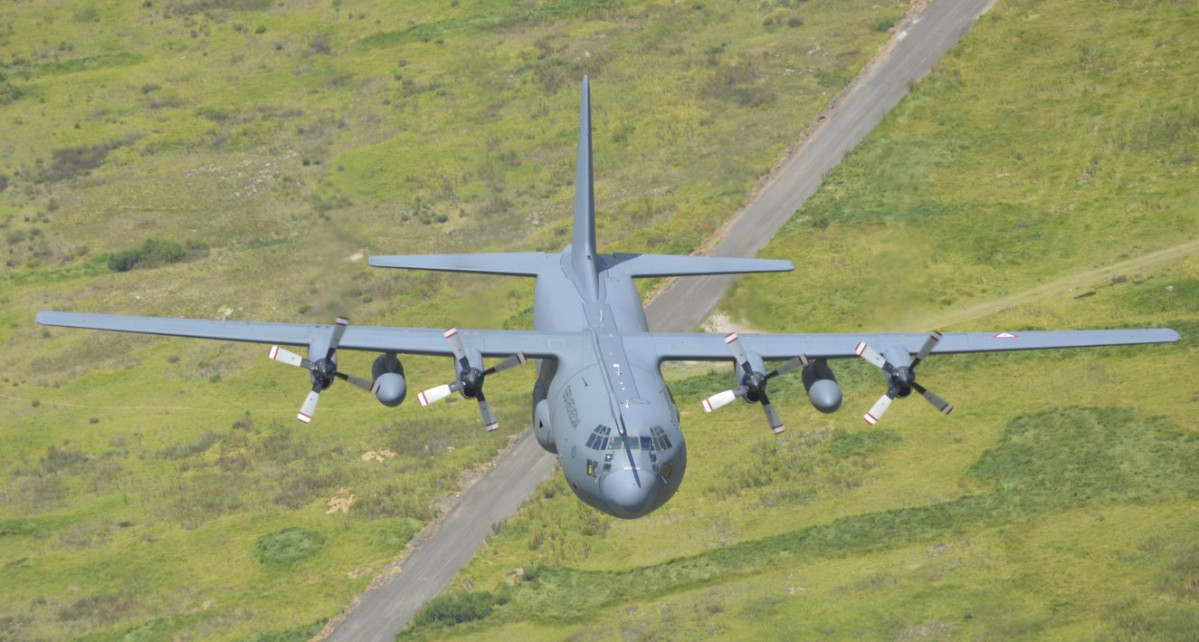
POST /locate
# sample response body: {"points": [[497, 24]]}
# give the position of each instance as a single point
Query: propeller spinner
{"points": [[322, 371], [901, 378], [753, 383], [470, 379]]}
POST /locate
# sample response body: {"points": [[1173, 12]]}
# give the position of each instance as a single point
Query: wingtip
{"points": [[47, 317]]}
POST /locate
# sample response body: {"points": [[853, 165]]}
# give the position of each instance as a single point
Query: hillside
{"points": [[1060, 499], [241, 157]]}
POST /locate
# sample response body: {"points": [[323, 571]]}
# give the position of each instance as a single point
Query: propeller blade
{"points": [[790, 366], [490, 422], [309, 407], [870, 354], [451, 335], [283, 355], [772, 416], [339, 330], [721, 399], [433, 395], [877, 410], [515, 360], [940, 404], [734, 343], [927, 347], [357, 381]]}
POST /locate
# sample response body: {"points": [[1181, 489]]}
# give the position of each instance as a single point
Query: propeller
{"points": [[753, 383], [323, 371], [901, 378], [470, 379]]}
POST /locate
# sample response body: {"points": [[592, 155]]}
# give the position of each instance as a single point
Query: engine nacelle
{"points": [[389, 387], [541, 427], [541, 410], [823, 391]]}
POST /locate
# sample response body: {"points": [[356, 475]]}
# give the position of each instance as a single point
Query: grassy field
{"points": [[1060, 500], [159, 489]]}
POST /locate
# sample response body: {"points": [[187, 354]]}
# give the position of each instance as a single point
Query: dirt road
{"points": [[918, 44]]}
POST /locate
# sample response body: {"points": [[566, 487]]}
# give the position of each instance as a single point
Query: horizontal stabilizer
{"points": [[652, 265], [509, 263]]}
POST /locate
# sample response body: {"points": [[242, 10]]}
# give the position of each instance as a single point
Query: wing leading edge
{"points": [[668, 346], [692, 346], [426, 341]]}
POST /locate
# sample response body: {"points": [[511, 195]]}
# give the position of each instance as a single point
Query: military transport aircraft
{"points": [[599, 400]]}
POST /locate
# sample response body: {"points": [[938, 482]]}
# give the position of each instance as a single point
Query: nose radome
{"points": [[632, 495]]}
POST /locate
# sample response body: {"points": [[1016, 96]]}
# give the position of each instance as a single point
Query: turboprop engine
{"points": [[389, 386], [468, 377], [823, 391]]}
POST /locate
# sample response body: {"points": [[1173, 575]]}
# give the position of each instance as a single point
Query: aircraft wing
{"points": [[428, 341], [695, 346]]}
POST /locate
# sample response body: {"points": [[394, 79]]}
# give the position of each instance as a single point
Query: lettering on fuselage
{"points": [[572, 411]]}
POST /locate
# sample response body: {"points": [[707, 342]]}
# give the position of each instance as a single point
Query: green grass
{"points": [[140, 474], [1056, 462], [1058, 501], [1047, 144]]}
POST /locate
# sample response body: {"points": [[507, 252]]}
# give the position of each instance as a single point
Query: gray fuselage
{"points": [[607, 413]]}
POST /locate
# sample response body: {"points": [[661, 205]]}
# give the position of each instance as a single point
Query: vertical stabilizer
{"points": [[582, 246]]}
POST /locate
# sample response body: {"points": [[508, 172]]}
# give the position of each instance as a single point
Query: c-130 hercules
{"points": [[599, 401]]}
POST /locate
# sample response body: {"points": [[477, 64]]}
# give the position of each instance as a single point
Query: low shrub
{"points": [[153, 252], [289, 546]]}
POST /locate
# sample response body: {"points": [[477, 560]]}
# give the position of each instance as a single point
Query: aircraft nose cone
{"points": [[630, 495]]}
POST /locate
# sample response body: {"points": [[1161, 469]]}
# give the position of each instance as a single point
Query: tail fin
{"points": [[582, 246], [585, 263]]}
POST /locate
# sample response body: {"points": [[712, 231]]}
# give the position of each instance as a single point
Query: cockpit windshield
{"points": [[602, 439]]}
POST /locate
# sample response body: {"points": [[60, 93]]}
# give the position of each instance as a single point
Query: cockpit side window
{"points": [[661, 441], [599, 438]]}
